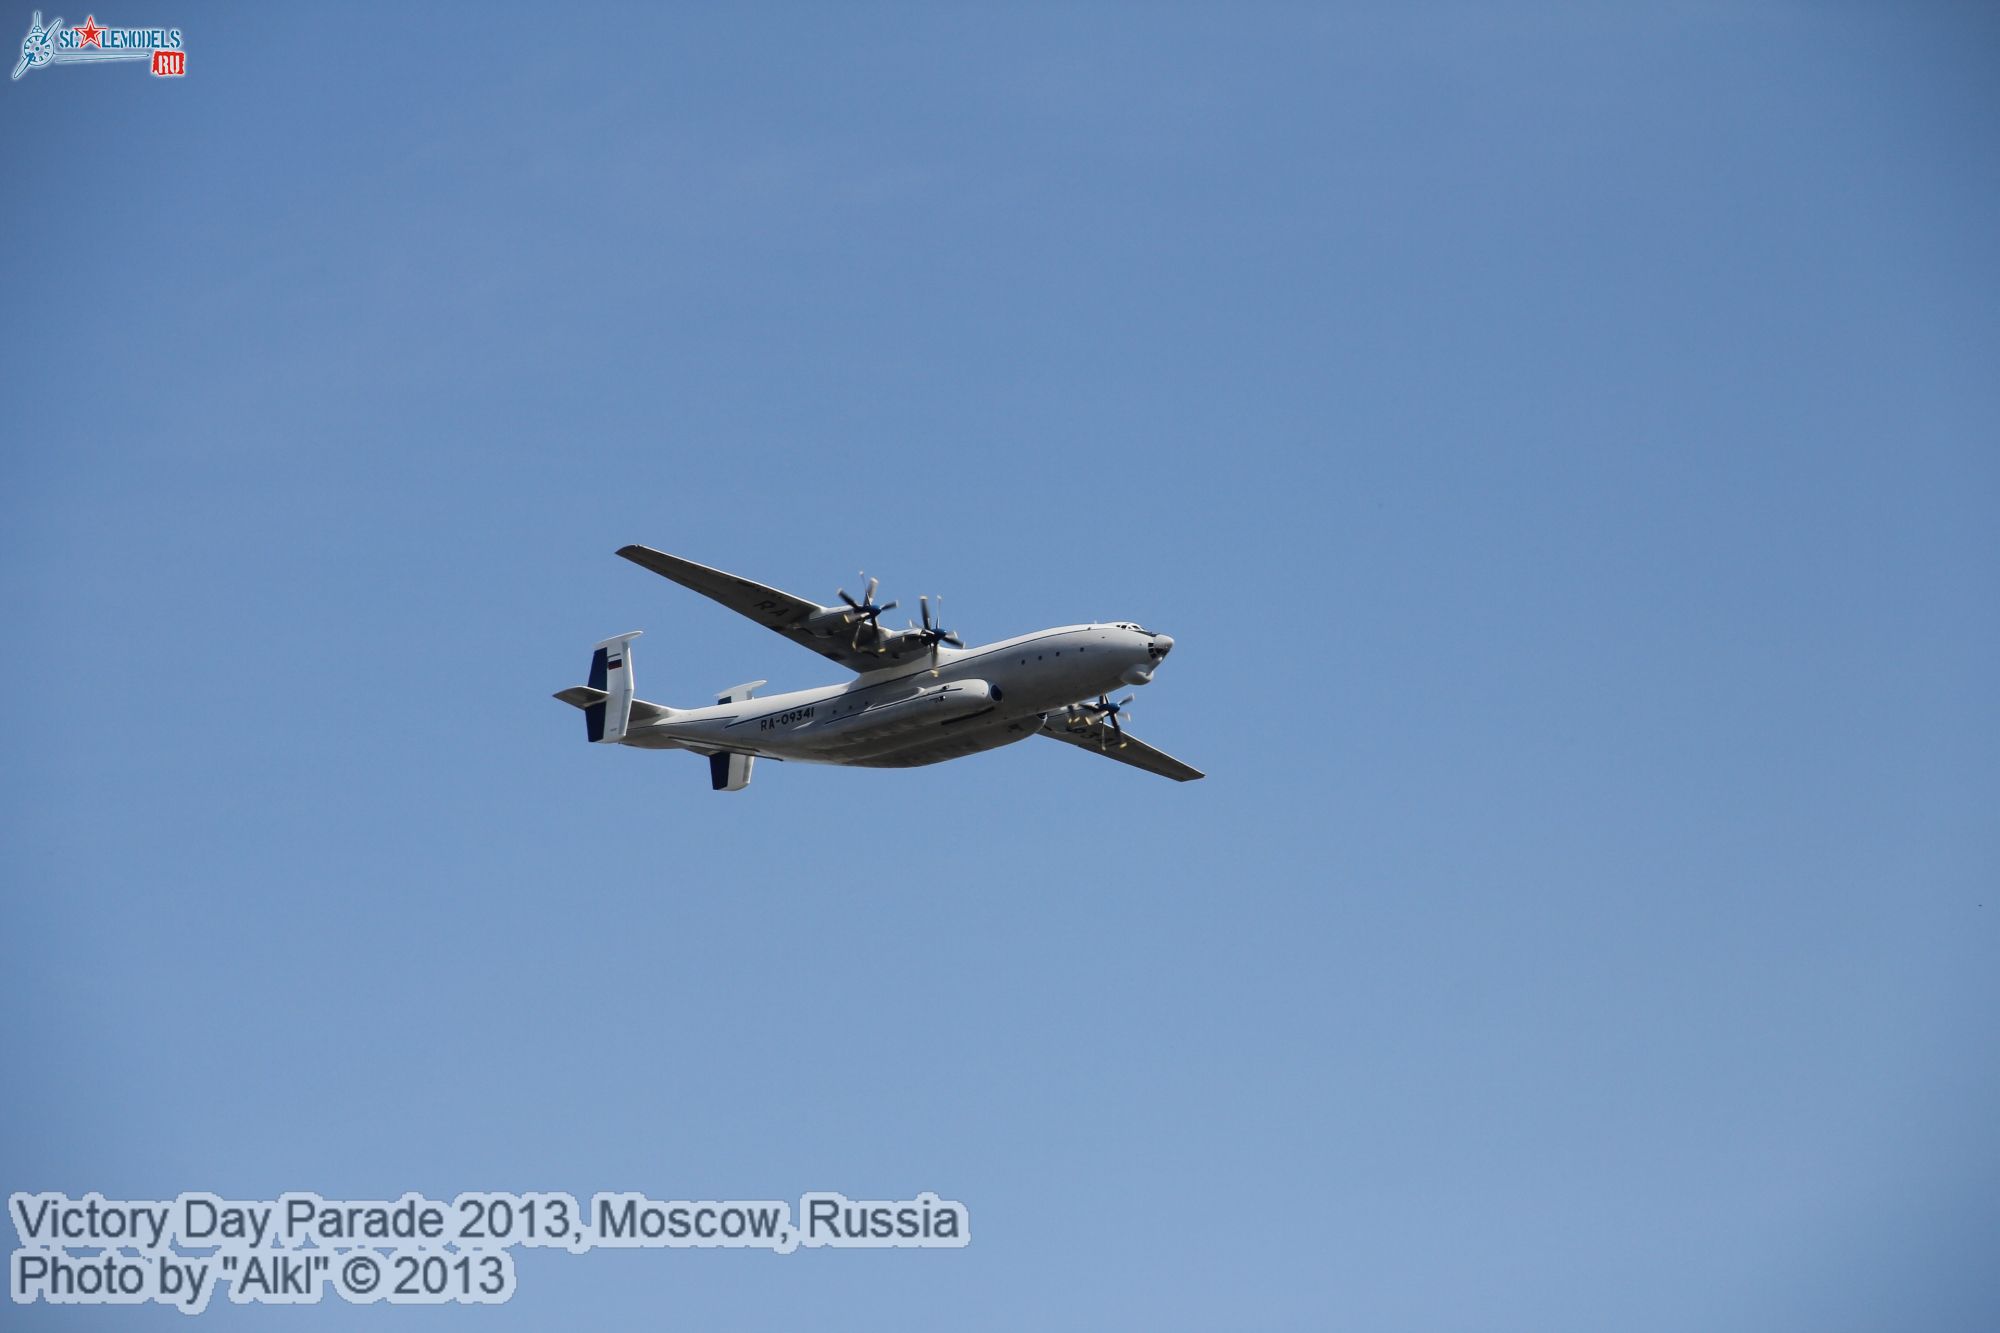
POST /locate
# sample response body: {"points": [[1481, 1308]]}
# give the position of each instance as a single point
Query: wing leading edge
{"points": [[769, 607], [1096, 738]]}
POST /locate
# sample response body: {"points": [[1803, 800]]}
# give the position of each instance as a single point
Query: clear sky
{"points": [[1562, 441]]}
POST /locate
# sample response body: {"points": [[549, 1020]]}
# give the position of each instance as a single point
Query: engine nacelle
{"points": [[845, 625], [837, 621]]}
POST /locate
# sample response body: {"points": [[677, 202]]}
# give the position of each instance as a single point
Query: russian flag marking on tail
{"points": [[611, 671]]}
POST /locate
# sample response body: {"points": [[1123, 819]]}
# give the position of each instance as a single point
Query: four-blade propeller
{"points": [[935, 634], [1107, 712], [865, 612], [866, 617]]}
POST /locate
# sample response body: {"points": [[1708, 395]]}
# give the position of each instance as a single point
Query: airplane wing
{"points": [[1097, 738], [769, 607]]}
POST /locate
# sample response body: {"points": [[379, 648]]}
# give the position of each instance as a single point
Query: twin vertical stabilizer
{"points": [[731, 772], [611, 671]]}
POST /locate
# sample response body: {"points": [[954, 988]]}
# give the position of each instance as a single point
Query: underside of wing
{"points": [[825, 630], [1101, 738]]}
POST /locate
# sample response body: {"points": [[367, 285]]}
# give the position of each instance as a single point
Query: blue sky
{"points": [[1561, 441]]}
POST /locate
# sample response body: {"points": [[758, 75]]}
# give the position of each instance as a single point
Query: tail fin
{"points": [[611, 671], [731, 772]]}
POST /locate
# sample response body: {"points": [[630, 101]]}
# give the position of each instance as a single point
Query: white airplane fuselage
{"points": [[907, 714]]}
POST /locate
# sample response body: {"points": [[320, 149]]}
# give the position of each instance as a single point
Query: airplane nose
{"points": [[1162, 645]]}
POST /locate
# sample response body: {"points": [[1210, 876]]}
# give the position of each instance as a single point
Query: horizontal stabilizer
{"points": [[582, 696]]}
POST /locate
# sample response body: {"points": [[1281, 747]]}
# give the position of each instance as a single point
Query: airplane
{"points": [[919, 696]]}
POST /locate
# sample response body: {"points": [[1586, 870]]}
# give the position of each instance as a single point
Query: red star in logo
{"points": [[88, 32]]}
